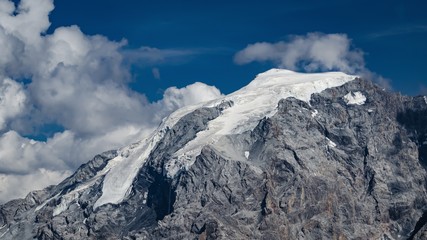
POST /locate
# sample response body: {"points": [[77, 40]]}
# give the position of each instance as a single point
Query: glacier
{"points": [[250, 104]]}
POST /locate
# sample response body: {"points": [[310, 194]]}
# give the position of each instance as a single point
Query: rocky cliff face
{"points": [[348, 164]]}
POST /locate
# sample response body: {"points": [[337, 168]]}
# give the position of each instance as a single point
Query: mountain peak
{"points": [[284, 77], [247, 106], [287, 152]]}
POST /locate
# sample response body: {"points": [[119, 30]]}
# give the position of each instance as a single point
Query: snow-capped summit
{"points": [[250, 104], [289, 156]]}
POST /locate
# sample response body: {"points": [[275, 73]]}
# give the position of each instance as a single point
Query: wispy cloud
{"points": [[156, 73], [396, 31], [310, 53], [152, 56]]}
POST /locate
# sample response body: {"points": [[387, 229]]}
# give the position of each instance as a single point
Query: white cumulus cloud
{"points": [[174, 98], [16, 186], [12, 100], [78, 82], [311, 52]]}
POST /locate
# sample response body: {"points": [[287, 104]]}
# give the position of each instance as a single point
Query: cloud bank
{"points": [[75, 81]]}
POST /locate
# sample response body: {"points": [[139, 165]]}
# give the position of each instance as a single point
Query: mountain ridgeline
{"points": [[290, 156]]}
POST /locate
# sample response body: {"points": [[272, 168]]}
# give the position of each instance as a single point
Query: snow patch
{"points": [[370, 110], [4, 233], [256, 169], [66, 200], [314, 114], [425, 99], [45, 202], [356, 98], [247, 154], [331, 143], [144, 201]]}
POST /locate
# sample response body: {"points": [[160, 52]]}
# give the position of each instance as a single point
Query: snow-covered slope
{"points": [[251, 103]]}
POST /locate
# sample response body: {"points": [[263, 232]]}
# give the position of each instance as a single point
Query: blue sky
{"points": [[392, 34], [81, 77]]}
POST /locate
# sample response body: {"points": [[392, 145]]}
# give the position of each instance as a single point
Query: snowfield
{"points": [[257, 100], [356, 98]]}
